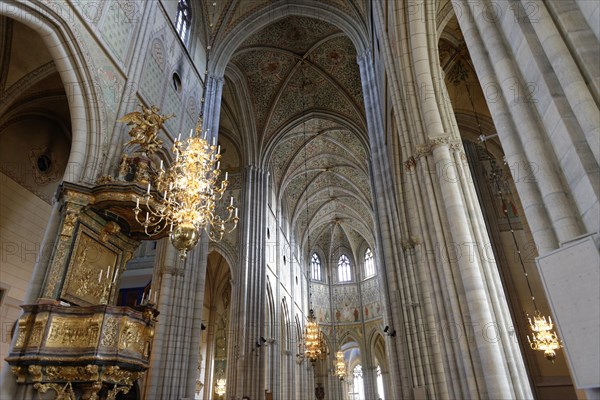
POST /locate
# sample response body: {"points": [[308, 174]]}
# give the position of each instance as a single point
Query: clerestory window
{"points": [[344, 274], [183, 21], [369, 263], [315, 269]]}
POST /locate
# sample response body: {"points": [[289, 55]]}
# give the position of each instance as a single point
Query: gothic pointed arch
{"points": [[75, 66]]}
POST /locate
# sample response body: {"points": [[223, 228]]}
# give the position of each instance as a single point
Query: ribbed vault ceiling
{"points": [[307, 114]]}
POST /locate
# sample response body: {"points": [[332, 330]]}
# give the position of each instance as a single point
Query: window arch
{"points": [[315, 267], [344, 274], [183, 21], [369, 263]]}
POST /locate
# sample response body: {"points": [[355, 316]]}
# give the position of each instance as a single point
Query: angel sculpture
{"points": [[145, 127]]}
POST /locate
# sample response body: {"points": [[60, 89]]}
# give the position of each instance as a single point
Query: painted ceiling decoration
{"points": [[222, 16], [306, 115]]}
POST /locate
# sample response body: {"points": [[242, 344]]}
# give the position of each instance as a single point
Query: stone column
{"points": [[545, 198], [245, 370], [369, 378], [569, 76], [553, 129], [387, 220], [498, 384], [175, 350]]}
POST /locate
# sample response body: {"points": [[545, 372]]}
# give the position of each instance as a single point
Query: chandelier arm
{"points": [[148, 221]]}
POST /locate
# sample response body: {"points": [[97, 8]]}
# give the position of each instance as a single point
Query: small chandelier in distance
{"points": [[220, 385], [314, 345], [340, 365], [543, 338], [188, 194]]}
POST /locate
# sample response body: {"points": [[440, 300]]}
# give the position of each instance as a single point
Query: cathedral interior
{"points": [[299, 199]]}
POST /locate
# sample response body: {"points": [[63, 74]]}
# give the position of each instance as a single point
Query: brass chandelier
{"points": [[340, 365], [314, 344], [544, 339], [221, 384], [188, 193]]}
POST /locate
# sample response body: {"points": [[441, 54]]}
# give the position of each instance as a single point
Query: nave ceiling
{"points": [[299, 82]]}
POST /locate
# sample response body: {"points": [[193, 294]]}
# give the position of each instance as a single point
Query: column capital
{"points": [[255, 168], [423, 150], [216, 78], [364, 56], [435, 141]]}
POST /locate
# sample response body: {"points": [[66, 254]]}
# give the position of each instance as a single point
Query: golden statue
{"points": [[145, 127]]}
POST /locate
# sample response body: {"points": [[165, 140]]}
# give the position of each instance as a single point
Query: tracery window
{"points": [[369, 263], [344, 274], [183, 21], [315, 267]]}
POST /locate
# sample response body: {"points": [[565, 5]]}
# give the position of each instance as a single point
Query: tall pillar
{"points": [[172, 374], [369, 379], [498, 383], [245, 371], [388, 235], [544, 70]]}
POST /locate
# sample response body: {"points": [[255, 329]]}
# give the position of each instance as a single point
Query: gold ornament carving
{"points": [[111, 228], [104, 179], [119, 376], [112, 394], [36, 372], [22, 335], [145, 126], [38, 330], [69, 222], [123, 167], [110, 332], [73, 332], [142, 172], [69, 374], [90, 272], [132, 337], [59, 260], [95, 388], [19, 373], [62, 392], [127, 255], [67, 338]]}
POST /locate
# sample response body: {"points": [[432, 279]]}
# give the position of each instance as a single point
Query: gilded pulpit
{"points": [[75, 343]]}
